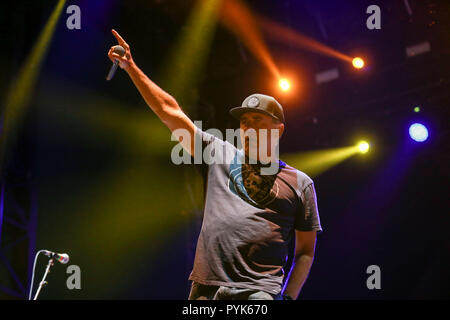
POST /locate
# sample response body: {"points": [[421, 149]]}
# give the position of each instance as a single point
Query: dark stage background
{"points": [[93, 161]]}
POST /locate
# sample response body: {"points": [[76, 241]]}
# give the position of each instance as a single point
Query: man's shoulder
{"points": [[303, 180]]}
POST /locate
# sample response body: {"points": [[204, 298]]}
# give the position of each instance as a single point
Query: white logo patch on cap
{"points": [[253, 102]]}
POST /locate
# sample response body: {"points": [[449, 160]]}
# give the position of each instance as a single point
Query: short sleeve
{"points": [[205, 137], [210, 148], [308, 218]]}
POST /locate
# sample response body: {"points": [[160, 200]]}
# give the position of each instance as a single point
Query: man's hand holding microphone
{"points": [[120, 55]]}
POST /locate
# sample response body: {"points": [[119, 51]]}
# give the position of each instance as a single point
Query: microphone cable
{"points": [[32, 274]]}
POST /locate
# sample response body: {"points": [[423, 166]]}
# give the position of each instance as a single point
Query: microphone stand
{"points": [[43, 282]]}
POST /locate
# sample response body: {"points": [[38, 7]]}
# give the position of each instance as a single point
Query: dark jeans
{"points": [[206, 292]]}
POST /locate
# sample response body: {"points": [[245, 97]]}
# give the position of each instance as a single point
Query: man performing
{"points": [[250, 218]]}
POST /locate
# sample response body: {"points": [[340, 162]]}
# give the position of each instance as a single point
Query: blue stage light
{"points": [[418, 132]]}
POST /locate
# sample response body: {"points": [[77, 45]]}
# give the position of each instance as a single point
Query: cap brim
{"points": [[237, 112]]}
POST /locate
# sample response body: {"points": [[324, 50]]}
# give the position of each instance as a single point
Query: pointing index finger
{"points": [[119, 38]]}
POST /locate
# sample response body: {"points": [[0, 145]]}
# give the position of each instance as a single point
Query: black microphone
{"points": [[121, 52], [61, 257]]}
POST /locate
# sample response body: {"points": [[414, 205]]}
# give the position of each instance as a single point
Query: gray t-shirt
{"points": [[249, 220]]}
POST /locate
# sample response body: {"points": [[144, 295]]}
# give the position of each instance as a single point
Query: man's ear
{"points": [[281, 128]]}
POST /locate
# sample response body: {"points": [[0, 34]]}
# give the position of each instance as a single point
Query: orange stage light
{"points": [[358, 63], [284, 84]]}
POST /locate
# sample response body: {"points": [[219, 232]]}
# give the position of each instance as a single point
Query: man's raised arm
{"points": [[162, 103]]}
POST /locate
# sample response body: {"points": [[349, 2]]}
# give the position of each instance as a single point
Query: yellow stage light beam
{"points": [[187, 59], [80, 113], [128, 203], [313, 163], [316, 162], [239, 20], [20, 91]]}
